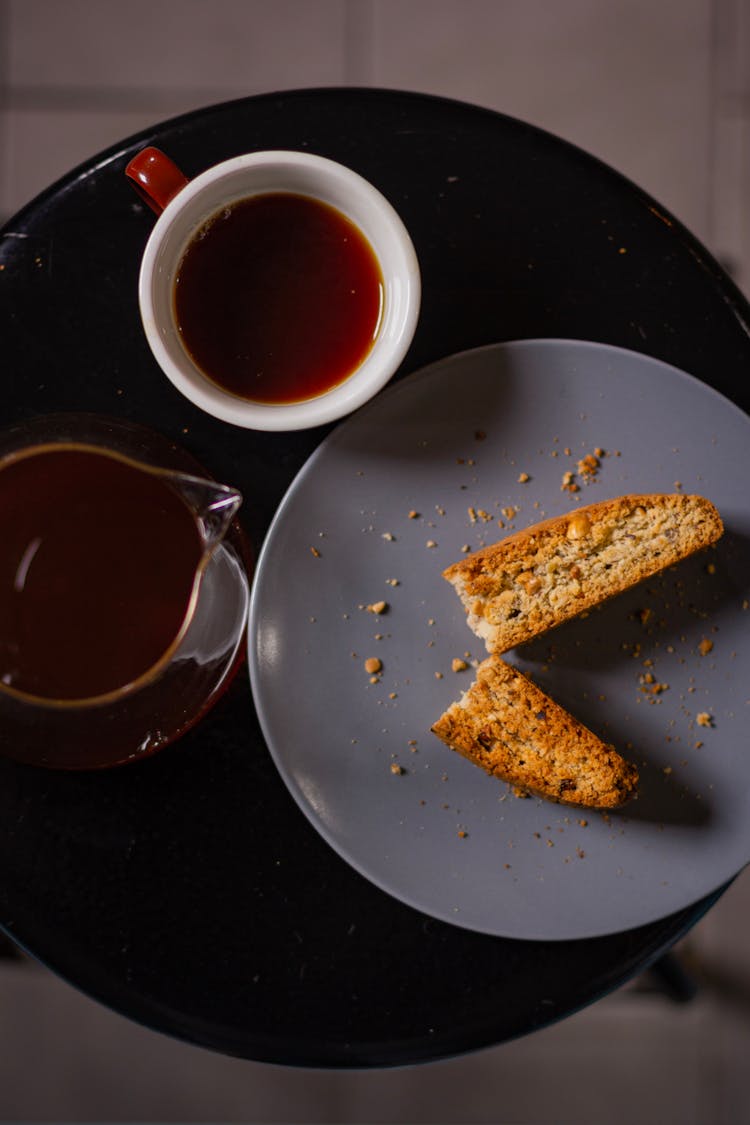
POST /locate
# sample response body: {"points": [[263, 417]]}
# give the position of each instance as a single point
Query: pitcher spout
{"points": [[214, 505]]}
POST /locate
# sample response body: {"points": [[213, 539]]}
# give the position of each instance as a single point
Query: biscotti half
{"points": [[537, 578], [508, 726]]}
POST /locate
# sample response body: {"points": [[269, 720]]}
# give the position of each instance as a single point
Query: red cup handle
{"points": [[155, 177]]}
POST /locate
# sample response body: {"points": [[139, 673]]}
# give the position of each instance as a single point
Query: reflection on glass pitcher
{"points": [[123, 592]]}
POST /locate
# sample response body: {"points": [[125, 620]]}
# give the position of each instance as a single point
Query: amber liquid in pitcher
{"points": [[278, 298], [97, 566]]}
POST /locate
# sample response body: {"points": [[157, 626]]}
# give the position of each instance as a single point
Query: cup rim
{"points": [[377, 368]]}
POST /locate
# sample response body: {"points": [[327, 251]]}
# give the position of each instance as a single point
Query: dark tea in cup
{"points": [[278, 298]]}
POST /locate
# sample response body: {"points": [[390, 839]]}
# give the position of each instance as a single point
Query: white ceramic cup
{"points": [[185, 205]]}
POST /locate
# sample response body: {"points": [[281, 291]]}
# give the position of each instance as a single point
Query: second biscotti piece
{"points": [[548, 573], [508, 726]]}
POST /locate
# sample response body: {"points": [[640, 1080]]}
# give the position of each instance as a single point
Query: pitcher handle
{"points": [[155, 177]]}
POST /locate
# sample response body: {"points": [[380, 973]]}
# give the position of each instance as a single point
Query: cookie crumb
{"points": [[704, 719], [568, 483], [458, 665], [397, 769], [588, 465], [377, 607], [523, 478], [315, 552], [705, 646], [373, 665]]}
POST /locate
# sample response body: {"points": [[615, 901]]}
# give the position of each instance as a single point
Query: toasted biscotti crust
{"points": [[537, 578], [508, 726]]}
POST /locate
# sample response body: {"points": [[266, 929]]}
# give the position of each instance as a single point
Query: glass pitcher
{"points": [[123, 591]]}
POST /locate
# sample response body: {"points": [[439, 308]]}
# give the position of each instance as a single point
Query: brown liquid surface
{"points": [[97, 563], [278, 298]]}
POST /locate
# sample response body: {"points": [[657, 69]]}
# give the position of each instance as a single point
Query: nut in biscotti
{"points": [[537, 578]]}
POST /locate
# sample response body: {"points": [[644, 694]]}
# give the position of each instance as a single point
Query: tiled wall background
{"points": [[661, 90]]}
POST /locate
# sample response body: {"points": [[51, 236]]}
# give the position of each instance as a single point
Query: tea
{"points": [[97, 566], [278, 298]]}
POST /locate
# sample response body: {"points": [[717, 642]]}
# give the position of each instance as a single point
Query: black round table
{"points": [[189, 892]]}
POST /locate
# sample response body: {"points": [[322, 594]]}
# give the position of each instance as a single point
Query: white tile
{"points": [[627, 80], [243, 45]]}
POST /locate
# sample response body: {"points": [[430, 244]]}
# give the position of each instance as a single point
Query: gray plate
{"points": [[442, 836]]}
